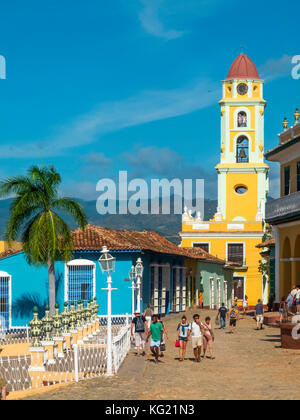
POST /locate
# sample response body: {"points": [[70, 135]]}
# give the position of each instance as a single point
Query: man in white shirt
{"points": [[294, 291], [197, 329]]}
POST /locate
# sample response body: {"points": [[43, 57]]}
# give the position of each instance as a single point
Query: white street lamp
{"points": [[107, 265], [139, 269], [133, 287]]}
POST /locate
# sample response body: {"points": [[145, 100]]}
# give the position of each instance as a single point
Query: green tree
{"points": [[35, 219]]}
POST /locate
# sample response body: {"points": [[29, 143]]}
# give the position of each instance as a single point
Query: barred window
{"points": [[80, 281], [4, 301]]}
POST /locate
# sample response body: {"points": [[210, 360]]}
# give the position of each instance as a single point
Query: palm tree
{"points": [[35, 219]]}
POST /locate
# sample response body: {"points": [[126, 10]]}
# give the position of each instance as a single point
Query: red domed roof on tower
{"points": [[243, 68]]}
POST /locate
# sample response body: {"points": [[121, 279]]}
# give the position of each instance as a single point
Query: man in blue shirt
{"points": [[222, 314]]}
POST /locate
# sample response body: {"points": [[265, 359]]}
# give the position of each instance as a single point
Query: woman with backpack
{"points": [[233, 317], [140, 328]]}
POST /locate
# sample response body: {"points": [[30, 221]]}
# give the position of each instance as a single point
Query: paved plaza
{"points": [[248, 365]]}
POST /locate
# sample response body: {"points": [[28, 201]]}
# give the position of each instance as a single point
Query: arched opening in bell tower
{"points": [[242, 150]]}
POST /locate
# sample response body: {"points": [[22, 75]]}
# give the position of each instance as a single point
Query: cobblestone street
{"points": [[248, 365]]}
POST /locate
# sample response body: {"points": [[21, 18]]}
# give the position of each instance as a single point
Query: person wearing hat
{"points": [[140, 328]]}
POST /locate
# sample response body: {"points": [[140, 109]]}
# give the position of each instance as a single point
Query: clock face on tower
{"points": [[242, 88]]}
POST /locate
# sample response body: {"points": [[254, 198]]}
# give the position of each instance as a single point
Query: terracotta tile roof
{"points": [[269, 242], [8, 253], [94, 237]]}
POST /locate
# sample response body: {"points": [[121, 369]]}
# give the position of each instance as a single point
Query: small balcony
{"points": [[283, 209]]}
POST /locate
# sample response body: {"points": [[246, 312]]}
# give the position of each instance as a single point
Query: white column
{"points": [[177, 289], [277, 262], [138, 286], [183, 293], [155, 309], [109, 336]]}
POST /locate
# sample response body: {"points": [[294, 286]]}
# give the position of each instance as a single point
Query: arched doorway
{"points": [[286, 269]]}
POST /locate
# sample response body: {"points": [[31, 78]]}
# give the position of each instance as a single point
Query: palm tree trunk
{"points": [[51, 281]]}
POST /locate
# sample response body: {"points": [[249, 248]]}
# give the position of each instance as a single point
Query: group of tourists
{"points": [[149, 326], [201, 335], [290, 304]]}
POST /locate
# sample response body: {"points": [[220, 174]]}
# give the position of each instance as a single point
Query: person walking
{"points": [[234, 318], [245, 306], [222, 316], [289, 303], [183, 336], [197, 331], [156, 333], [259, 314], [201, 300], [148, 315], [140, 327], [282, 308], [165, 334], [208, 338]]}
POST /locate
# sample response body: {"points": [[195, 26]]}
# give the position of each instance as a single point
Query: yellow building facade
{"points": [[238, 225]]}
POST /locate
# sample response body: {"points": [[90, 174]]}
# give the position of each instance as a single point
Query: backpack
{"points": [[233, 314], [139, 325]]}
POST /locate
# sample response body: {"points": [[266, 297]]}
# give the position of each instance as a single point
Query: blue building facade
{"points": [[23, 286], [164, 284]]}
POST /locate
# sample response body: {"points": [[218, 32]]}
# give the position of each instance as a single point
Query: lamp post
{"points": [[133, 287], [107, 263], [139, 269]]}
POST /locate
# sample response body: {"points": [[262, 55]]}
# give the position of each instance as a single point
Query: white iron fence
{"points": [[81, 362], [15, 335]]}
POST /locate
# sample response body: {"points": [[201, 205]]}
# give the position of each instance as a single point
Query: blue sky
{"points": [[99, 86]]}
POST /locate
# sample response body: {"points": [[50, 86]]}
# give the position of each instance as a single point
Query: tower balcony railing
{"points": [[284, 208]]}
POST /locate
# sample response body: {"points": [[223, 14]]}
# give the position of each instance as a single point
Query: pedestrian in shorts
{"points": [[140, 328]]}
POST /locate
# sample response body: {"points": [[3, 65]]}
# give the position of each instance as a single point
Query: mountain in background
{"points": [[166, 225]]}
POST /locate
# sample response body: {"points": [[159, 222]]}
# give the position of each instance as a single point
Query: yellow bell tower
{"points": [[237, 226], [242, 174]]}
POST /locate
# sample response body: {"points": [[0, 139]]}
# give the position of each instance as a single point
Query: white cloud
{"points": [[150, 21], [276, 68], [143, 108]]}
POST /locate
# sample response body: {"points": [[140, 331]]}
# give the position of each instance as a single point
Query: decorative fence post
{"points": [[73, 318], [58, 339], [37, 351], [89, 320], [80, 322], [48, 342], [66, 323]]}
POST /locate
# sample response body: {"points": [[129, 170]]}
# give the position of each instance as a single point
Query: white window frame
{"points": [[5, 274], [78, 262]]}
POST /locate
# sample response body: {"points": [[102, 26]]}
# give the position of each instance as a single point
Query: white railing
{"points": [[14, 372], [78, 363], [120, 347], [15, 335]]}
